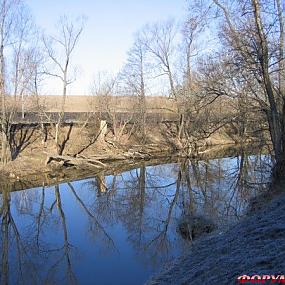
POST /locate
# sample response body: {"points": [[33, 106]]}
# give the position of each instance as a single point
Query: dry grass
{"points": [[82, 103]]}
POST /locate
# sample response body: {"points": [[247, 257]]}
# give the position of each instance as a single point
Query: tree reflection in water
{"points": [[131, 218]]}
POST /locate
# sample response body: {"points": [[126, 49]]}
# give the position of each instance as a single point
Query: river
{"points": [[120, 228]]}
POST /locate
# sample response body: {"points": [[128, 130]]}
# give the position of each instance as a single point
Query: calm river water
{"points": [[119, 229]]}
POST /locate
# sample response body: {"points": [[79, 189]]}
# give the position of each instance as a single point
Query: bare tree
{"points": [[16, 29], [24, 57], [105, 90], [256, 39], [134, 76], [192, 31], [160, 42], [6, 15], [59, 50]]}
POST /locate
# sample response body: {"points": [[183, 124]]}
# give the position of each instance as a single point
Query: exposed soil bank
{"points": [[30, 171], [52, 176], [256, 245], [31, 147]]}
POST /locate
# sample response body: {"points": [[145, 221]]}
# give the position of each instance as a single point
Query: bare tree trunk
{"points": [[273, 115], [262, 55], [280, 166], [142, 99], [62, 110], [281, 74], [102, 131], [67, 41], [5, 156], [23, 106]]}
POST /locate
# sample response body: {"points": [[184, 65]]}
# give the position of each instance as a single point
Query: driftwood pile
{"points": [[98, 161], [65, 160]]}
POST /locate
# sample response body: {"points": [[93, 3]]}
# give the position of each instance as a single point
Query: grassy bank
{"points": [[256, 245]]}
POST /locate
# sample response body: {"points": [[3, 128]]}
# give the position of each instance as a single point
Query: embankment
{"points": [[256, 245], [35, 161]]}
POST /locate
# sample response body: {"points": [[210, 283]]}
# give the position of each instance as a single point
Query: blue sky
{"points": [[108, 33]]}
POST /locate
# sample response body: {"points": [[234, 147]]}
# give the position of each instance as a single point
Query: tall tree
{"points": [[16, 28], [134, 75], [59, 50], [193, 35], [160, 42], [253, 32]]}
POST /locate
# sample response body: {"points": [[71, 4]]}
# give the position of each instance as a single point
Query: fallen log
{"points": [[92, 160], [99, 159], [123, 156], [108, 157], [75, 161]]}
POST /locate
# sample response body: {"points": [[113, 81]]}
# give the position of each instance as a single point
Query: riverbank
{"points": [[256, 245], [36, 163], [34, 152], [32, 170]]}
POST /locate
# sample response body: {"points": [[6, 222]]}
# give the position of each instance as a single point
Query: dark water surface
{"points": [[119, 229]]}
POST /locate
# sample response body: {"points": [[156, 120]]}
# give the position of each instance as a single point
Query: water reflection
{"points": [[121, 228]]}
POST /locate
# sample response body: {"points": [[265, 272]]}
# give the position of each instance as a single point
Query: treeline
{"points": [[222, 67]]}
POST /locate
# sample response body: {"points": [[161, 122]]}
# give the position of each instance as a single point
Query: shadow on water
{"points": [[121, 228]]}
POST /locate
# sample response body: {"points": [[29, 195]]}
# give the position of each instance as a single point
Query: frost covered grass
{"points": [[256, 245]]}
